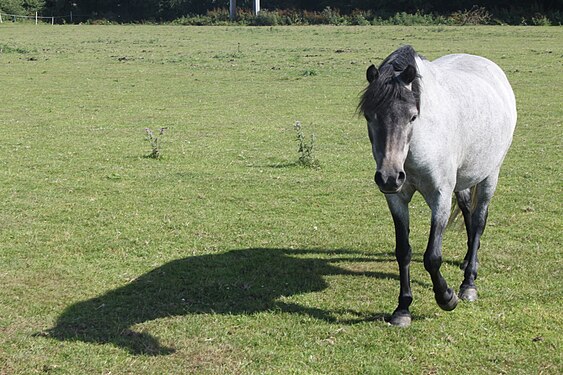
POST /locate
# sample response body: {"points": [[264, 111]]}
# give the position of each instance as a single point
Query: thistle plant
{"points": [[305, 149], [155, 142]]}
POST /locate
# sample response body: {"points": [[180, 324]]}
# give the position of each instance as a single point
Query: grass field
{"points": [[224, 256]]}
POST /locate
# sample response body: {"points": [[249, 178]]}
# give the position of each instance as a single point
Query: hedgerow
{"points": [[330, 16]]}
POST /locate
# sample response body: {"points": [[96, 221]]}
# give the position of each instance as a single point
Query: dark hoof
{"points": [[400, 319], [468, 293], [451, 304]]}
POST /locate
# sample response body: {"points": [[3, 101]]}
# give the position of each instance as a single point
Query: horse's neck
{"points": [[427, 78], [432, 93]]}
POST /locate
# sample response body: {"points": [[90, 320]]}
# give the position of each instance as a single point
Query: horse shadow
{"points": [[235, 282]]}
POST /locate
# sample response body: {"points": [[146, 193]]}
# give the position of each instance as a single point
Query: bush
{"points": [[418, 18], [361, 18], [331, 16], [475, 16], [21, 7], [267, 18], [540, 20], [196, 20], [12, 7], [219, 15]]}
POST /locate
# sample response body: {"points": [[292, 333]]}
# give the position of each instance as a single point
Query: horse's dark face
{"points": [[390, 127]]}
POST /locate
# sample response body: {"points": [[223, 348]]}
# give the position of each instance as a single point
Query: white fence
{"points": [[14, 17], [233, 8]]}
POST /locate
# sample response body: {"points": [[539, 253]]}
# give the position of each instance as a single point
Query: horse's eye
{"points": [[414, 118]]}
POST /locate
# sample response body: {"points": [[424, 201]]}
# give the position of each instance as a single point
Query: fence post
{"points": [[1, 18], [36, 18], [71, 17], [52, 20], [233, 10], [256, 7]]}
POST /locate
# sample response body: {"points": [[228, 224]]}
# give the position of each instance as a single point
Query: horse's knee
{"points": [[403, 256], [432, 262]]}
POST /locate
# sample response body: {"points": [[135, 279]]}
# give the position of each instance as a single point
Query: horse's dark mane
{"points": [[387, 87]]}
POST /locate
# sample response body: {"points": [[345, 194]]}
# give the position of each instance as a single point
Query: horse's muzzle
{"points": [[390, 183]]}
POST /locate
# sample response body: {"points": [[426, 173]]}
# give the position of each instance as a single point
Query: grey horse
{"points": [[438, 127]]}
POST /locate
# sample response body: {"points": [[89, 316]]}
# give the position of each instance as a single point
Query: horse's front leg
{"points": [[398, 205], [440, 204]]}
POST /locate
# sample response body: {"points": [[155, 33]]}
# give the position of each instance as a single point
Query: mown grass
{"points": [[224, 255]]}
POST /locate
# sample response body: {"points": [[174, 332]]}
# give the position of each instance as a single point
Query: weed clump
{"points": [[306, 150], [155, 143]]}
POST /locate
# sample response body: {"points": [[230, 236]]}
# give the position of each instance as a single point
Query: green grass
{"points": [[224, 255]]}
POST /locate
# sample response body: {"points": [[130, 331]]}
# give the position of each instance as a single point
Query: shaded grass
{"points": [[282, 269]]}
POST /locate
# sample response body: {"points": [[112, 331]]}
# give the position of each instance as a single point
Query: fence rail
{"points": [[14, 17]]}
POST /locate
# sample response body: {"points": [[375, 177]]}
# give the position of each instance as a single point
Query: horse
{"points": [[441, 128]]}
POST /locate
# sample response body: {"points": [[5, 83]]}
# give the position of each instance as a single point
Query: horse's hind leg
{"points": [[483, 195], [464, 203]]}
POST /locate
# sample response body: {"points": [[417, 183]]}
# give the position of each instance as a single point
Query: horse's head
{"points": [[390, 105]]}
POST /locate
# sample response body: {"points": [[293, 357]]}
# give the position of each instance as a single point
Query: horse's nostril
{"points": [[378, 178], [389, 183], [402, 177]]}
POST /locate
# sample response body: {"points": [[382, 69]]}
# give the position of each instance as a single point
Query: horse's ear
{"points": [[372, 73], [408, 75]]}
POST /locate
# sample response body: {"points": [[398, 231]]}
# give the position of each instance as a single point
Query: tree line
{"points": [[167, 10]]}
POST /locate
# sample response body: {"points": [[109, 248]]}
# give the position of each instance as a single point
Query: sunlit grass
{"points": [[224, 256]]}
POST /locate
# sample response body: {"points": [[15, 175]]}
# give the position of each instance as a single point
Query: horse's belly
{"points": [[464, 181], [474, 171], [483, 158]]}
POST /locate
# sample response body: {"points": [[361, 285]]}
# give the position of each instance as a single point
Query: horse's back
{"points": [[477, 112], [481, 72]]}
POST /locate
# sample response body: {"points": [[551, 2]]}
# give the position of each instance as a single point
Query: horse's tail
{"points": [[454, 214]]}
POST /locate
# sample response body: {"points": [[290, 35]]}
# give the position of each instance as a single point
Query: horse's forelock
{"points": [[387, 87], [382, 91]]}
